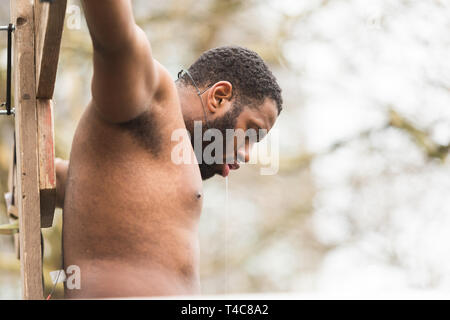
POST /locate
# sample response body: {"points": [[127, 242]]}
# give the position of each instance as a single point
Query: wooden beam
{"points": [[12, 189], [47, 173], [12, 211], [28, 201], [49, 21], [49, 28]]}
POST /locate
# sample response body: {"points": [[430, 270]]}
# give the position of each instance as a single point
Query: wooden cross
{"points": [[37, 40]]}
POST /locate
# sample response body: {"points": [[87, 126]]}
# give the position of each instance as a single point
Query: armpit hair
{"points": [[145, 129]]}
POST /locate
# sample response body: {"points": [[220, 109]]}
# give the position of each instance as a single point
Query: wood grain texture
{"points": [[49, 22], [47, 174], [28, 201], [49, 28], [12, 210], [12, 189]]}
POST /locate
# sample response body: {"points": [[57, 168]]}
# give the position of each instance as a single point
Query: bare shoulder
{"points": [[151, 129], [166, 88], [148, 130]]}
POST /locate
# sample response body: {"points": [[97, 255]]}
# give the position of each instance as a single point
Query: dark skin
{"points": [[130, 214]]}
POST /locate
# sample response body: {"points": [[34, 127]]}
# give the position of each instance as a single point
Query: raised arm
{"points": [[126, 76]]}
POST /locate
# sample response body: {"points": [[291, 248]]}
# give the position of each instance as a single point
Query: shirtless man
{"points": [[130, 213]]}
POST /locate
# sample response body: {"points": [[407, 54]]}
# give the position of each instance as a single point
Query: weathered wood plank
{"points": [[12, 189], [28, 201], [47, 174], [49, 21], [49, 28]]}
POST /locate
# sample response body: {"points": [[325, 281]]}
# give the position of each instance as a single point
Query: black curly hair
{"points": [[251, 78]]}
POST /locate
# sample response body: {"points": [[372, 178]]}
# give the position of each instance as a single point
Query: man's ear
{"points": [[220, 93]]}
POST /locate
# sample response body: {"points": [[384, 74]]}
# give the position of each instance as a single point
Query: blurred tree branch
{"points": [[420, 137]]}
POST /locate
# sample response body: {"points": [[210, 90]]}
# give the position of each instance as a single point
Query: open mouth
{"points": [[226, 168]]}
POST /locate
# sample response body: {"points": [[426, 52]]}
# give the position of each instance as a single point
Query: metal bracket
{"points": [[8, 110], [7, 104]]}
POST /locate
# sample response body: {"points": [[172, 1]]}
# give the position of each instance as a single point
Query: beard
{"points": [[227, 121]]}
